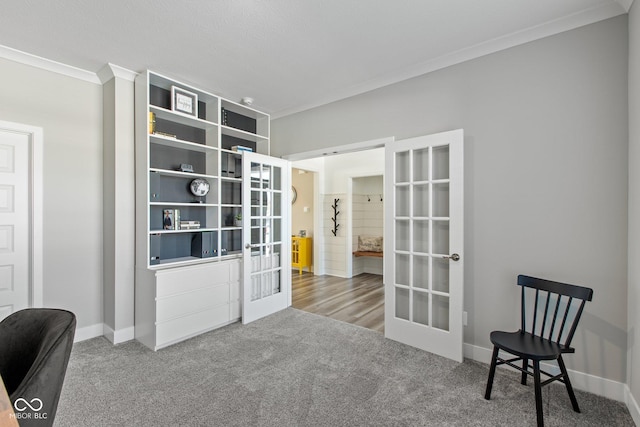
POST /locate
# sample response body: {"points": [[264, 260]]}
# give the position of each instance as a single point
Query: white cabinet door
{"points": [[266, 234], [423, 254]]}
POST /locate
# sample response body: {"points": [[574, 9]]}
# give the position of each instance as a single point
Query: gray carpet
{"points": [[299, 369]]}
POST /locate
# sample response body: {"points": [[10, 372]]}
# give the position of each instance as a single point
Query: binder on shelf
{"points": [[240, 148]]}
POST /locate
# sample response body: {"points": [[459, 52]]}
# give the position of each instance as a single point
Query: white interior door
{"points": [[15, 190], [423, 255], [266, 235]]}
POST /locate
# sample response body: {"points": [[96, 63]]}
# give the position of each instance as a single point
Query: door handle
{"points": [[249, 246], [452, 257]]}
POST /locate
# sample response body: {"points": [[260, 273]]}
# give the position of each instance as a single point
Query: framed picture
{"points": [[184, 101]]}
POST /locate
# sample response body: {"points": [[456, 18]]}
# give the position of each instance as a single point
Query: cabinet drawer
{"points": [[179, 280], [173, 306], [187, 326]]}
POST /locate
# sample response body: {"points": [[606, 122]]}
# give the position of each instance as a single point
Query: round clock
{"points": [[199, 187]]}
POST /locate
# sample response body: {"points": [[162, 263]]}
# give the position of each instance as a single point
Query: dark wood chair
{"points": [[552, 319]]}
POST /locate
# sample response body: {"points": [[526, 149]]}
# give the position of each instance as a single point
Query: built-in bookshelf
{"points": [[189, 150]]}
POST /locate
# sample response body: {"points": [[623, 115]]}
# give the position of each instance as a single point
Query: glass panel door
{"points": [[267, 263], [423, 226]]}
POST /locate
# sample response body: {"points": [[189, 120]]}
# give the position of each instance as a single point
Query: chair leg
{"points": [[525, 366], [492, 372], [538, 389], [567, 383]]}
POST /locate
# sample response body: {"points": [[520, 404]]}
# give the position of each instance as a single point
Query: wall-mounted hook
{"points": [[335, 216]]}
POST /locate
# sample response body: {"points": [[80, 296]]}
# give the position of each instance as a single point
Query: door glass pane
{"points": [[256, 261], [402, 167], [421, 236], [440, 274], [441, 237], [255, 198], [441, 199], [256, 236], [420, 272], [266, 285], [421, 165], [255, 175], [255, 287], [421, 307], [276, 258], [402, 235], [441, 162], [402, 303], [402, 201], [402, 269], [275, 281], [421, 200], [267, 234], [440, 312], [276, 230], [265, 176], [277, 204], [277, 178]]}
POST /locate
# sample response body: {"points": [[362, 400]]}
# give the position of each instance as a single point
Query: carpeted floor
{"points": [[299, 369]]}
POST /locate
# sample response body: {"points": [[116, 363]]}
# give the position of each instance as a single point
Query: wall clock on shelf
{"points": [[294, 194]]}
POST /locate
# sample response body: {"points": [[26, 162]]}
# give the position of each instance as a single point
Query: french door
{"points": [[423, 254], [266, 235]]}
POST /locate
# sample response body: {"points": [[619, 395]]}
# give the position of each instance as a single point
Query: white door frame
{"points": [[35, 135]]}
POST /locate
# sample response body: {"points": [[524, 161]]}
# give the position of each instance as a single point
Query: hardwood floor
{"points": [[359, 300]]}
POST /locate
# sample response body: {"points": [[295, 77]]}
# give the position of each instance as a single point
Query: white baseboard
{"points": [[632, 404], [100, 329], [119, 336], [88, 332], [586, 382]]}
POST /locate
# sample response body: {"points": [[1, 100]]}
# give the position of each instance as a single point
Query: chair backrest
{"points": [[554, 320], [35, 350]]}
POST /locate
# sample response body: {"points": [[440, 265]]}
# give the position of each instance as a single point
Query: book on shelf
{"points": [[240, 148], [189, 225]]}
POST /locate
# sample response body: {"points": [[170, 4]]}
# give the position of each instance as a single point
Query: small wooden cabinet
{"points": [[301, 252]]}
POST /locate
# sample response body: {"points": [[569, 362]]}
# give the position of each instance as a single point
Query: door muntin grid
{"points": [[421, 236], [266, 231]]}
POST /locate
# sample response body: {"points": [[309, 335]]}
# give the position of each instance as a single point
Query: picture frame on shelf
{"points": [[183, 101]]}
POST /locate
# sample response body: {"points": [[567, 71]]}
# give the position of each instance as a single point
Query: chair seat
{"points": [[526, 345]]}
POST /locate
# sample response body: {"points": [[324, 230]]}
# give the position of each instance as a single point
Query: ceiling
{"points": [[289, 55]]}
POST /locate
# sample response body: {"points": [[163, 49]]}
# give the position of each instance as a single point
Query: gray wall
{"points": [[545, 172], [633, 359], [70, 112]]}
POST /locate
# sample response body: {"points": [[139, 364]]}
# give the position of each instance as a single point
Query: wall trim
{"points": [[632, 404], [47, 64], [119, 336], [110, 71], [581, 381], [88, 332]]}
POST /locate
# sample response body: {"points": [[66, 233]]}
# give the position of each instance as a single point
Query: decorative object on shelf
{"points": [[186, 167], [199, 187], [223, 114], [152, 122], [303, 233], [294, 194], [335, 216], [166, 135], [240, 148], [237, 220], [189, 225], [184, 101], [246, 101], [167, 220]]}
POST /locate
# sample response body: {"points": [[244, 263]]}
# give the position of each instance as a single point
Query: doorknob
{"points": [[452, 257]]}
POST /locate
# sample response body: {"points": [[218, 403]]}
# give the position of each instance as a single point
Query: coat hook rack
{"points": [[335, 216]]}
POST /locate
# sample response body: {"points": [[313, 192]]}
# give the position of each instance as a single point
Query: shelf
{"points": [[195, 205], [167, 172], [237, 133], [192, 230], [183, 119], [179, 143]]}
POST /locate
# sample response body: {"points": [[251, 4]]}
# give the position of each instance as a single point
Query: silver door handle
{"points": [[452, 257], [249, 246]]}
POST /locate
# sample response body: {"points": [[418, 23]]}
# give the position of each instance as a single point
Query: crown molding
{"points": [[110, 71], [557, 26], [626, 4], [47, 64]]}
